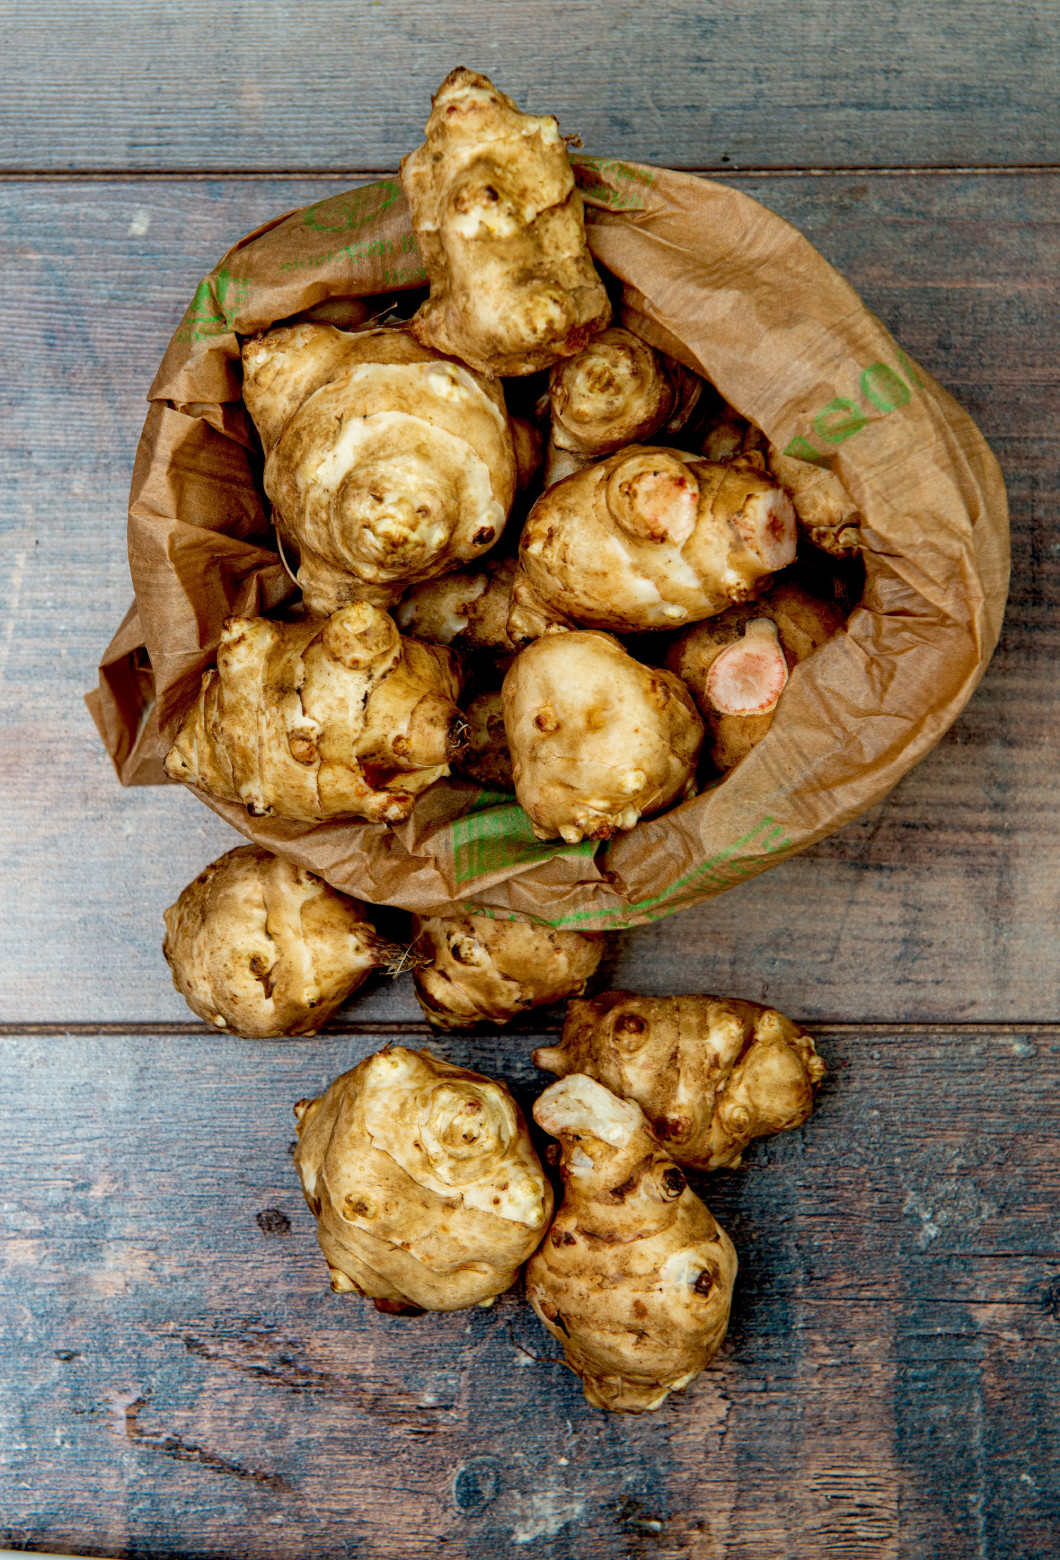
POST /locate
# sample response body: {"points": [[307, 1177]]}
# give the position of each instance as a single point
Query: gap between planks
{"points": [[716, 170], [870, 1029]]}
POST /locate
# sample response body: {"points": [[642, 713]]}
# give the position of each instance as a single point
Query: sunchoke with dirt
{"points": [[710, 1073], [650, 538], [635, 1277], [472, 968], [738, 663], [386, 463], [315, 720], [260, 947], [597, 739], [501, 229], [426, 1189]]}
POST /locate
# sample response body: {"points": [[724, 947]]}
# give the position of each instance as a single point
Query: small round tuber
{"points": [[709, 1073], [616, 391], [475, 969], [262, 948], [386, 464], [315, 720], [737, 664], [597, 740], [501, 229], [469, 609], [635, 1277], [426, 1189], [647, 539]]}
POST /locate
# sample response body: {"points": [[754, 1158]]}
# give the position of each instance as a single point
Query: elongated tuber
{"points": [[710, 1073], [426, 1189], [646, 539], [597, 740], [386, 464], [468, 609], [737, 664], [472, 968], [827, 515], [312, 720], [501, 229], [635, 1277], [262, 948]]}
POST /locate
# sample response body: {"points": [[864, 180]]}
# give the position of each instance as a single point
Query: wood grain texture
{"points": [[138, 85], [178, 1380], [940, 904]]}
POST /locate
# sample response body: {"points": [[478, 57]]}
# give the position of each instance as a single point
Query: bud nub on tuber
{"points": [[597, 739], [649, 538], [315, 720], [472, 968], [501, 229], [386, 464], [709, 1073], [635, 1276], [426, 1189], [262, 948]]}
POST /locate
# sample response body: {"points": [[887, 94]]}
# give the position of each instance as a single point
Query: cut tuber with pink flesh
{"points": [[749, 677]]}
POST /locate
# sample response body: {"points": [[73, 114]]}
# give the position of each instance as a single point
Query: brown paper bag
{"points": [[742, 298]]}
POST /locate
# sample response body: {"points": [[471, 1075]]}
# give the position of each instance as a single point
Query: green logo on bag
{"points": [[342, 213], [880, 386], [613, 184], [213, 310], [495, 838]]}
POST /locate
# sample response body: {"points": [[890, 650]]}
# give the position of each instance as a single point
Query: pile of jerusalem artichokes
{"points": [[482, 503]]}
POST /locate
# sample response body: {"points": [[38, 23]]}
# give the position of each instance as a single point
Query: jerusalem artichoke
{"points": [[426, 1189], [473, 968], [597, 740], [634, 1277], [736, 665], [262, 948], [827, 515], [311, 720], [487, 757], [501, 230], [386, 464], [468, 609], [648, 538], [710, 1074]]}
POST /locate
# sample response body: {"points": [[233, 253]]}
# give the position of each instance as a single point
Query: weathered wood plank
{"points": [[135, 84], [942, 903], [177, 1379]]}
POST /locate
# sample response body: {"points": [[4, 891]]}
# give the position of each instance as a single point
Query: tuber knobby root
{"points": [[472, 968], [635, 1276], [597, 739], [501, 229], [386, 464], [426, 1189], [262, 948], [315, 720], [709, 1073]]}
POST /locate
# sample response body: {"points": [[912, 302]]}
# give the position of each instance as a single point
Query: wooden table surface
{"points": [[175, 1377]]}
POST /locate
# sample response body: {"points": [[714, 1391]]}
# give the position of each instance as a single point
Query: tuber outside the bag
{"points": [[710, 1073], [386, 464], [647, 539], [712, 278], [426, 1189], [471, 969], [635, 1277], [321, 720], [597, 739], [736, 665], [501, 230], [261, 948]]}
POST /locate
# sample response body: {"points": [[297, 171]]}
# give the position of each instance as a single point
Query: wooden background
{"points": [[175, 1378]]}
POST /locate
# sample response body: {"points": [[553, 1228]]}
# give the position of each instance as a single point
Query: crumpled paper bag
{"points": [[735, 293]]}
